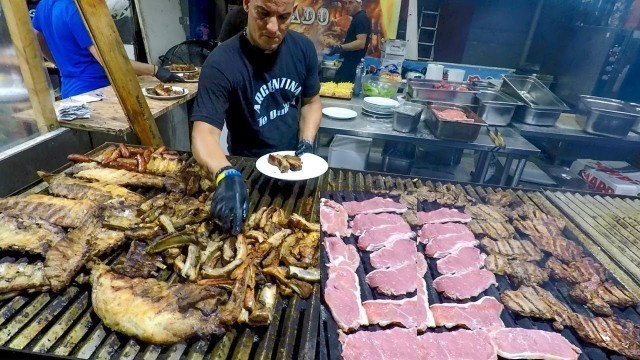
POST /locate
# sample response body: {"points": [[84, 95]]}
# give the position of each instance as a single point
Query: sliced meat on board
{"points": [[377, 238], [516, 343], [392, 344], [333, 218], [434, 231], [443, 215], [461, 344], [341, 254], [342, 295], [464, 285], [465, 259], [483, 314], [362, 222], [373, 206], [394, 281], [442, 247], [403, 312], [396, 254]]}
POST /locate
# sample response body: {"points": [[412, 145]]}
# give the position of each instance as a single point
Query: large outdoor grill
{"points": [[48, 325], [350, 186]]}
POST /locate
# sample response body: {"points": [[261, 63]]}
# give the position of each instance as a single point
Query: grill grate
{"points": [[49, 325], [348, 186]]}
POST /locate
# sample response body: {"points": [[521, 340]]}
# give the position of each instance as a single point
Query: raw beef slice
{"points": [[464, 285], [394, 281], [424, 314], [518, 343], [380, 237], [342, 295], [364, 222], [333, 218], [398, 253], [341, 254], [392, 344], [483, 314], [403, 312], [443, 215], [373, 206], [433, 231], [441, 247], [465, 259], [461, 344]]}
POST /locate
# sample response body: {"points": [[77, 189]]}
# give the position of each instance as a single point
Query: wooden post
{"points": [[31, 65], [118, 67]]}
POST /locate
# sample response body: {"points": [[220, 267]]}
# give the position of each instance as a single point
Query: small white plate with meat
{"points": [[284, 165], [164, 92]]}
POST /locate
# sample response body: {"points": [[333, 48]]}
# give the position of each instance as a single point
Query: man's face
{"points": [[268, 22], [351, 6]]}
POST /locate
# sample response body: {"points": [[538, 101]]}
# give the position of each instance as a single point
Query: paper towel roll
{"points": [[434, 72]]}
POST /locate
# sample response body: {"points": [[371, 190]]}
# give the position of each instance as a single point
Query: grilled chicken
{"points": [[536, 302], [117, 177], [28, 235], [621, 336], [598, 296], [54, 210], [155, 311], [15, 278], [67, 256], [502, 199], [512, 249], [98, 192], [576, 272], [561, 248], [482, 212], [519, 272], [494, 229]]}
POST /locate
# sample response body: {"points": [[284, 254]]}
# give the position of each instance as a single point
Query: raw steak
{"points": [[392, 344], [441, 247], [380, 237], [398, 253], [394, 281], [461, 344], [421, 265], [403, 312], [465, 259], [341, 254], [518, 343], [483, 314], [364, 222], [464, 285], [433, 231], [443, 215], [342, 295], [373, 206], [424, 315], [333, 218]]}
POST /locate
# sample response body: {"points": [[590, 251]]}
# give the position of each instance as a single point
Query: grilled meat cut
{"points": [[532, 212], [611, 333], [54, 210], [27, 234], [536, 302], [138, 263], [512, 249], [494, 229], [503, 199], [155, 311], [285, 163], [15, 278], [103, 241], [483, 212], [445, 195], [519, 272], [67, 256], [598, 296], [119, 177], [98, 192], [517, 343], [561, 248], [576, 272], [538, 228]]}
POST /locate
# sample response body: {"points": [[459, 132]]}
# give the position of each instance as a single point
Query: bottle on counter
{"points": [[357, 84]]}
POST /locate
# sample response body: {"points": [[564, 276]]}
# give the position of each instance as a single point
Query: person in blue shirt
{"points": [[65, 41]]}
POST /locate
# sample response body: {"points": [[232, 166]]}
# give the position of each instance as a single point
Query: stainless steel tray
{"points": [[607, 117], [542, 106], [466, 131], [495, 107], [422, 89], [473, 107]]}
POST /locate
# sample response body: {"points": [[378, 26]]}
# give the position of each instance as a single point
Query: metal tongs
{"points": [[497, 139]]}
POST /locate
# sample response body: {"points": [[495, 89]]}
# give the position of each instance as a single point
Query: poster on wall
{"points": [[326, 22]]}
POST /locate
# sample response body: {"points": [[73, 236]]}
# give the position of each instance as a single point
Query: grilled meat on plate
{"points": [[536, 302], [55, 210], [284, 163], [27, 234]]}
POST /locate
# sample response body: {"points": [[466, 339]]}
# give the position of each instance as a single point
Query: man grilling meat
{"points": [[264, 84], [355, 43]]}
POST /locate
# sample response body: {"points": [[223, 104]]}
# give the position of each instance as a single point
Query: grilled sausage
{"points": [[78, 158], [117, 164], [147, 155], [116, 154], [142, 165], [136, 150], [124, 151], [160, 150]]}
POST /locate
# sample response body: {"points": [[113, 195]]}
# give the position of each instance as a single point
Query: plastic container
{"points": [[455, 75], [376, 86], [349, 152]]}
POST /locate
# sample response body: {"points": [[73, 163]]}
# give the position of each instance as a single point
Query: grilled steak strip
{"points": [[512, 249], [519, 272], [621, 336], [536, 302], [54, 210]]}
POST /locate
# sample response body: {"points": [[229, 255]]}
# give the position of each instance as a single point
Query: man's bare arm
{"points": [[205, 145], [138, 67], [43, 46], [357, 44], [310, 117]]}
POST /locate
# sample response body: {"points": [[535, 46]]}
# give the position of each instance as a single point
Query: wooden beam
{"points": [[119, 70], [31, 65]]}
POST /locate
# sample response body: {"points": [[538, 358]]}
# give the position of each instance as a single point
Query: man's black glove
{"points": [[163, 74], [335, 50], [230, 201], [304, 146]]}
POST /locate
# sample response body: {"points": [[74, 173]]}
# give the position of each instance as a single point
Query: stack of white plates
{"points": [[379, 107]]}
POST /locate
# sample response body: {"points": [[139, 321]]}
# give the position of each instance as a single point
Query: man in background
{"points": [[234, 23], [355, 44]]}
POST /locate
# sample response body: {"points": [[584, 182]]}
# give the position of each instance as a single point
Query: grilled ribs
{"points": [[619, 335], [284, 163], [27, 234], [537, 302], [512, 249], [98, 192], [519, 272], [598, 296], [67, 256], [15, 278], [494, 229], [54, 210], [116, 176], [561, 248], [576, 272]]}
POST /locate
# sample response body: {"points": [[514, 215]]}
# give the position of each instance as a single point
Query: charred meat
{"points": [[536, 302], [576, 272], [503, 199], [67, 256], [98, 192], [519, 272], [599, 297], [54, 210], [482, 212], [561, 248], [538, 227], [286, 163], [28, 235], [512, 249], [621, 336], [494, 229], [138, 263], [120, 177]]}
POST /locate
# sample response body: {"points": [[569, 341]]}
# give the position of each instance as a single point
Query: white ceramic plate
{"points": [[185, 80], [312, 167], [381, 102], [339, 113], [376, 115], [172, 97]]}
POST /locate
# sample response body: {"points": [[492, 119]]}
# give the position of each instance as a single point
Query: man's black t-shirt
{"points": [[259, 94], [360, 24], [234, 23]]}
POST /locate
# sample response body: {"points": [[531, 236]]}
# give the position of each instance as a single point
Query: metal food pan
{"points": [[422, 89], [444, 129], [607, 117], [473, 107], [495, 107], [532, 93], [636, 126]]}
